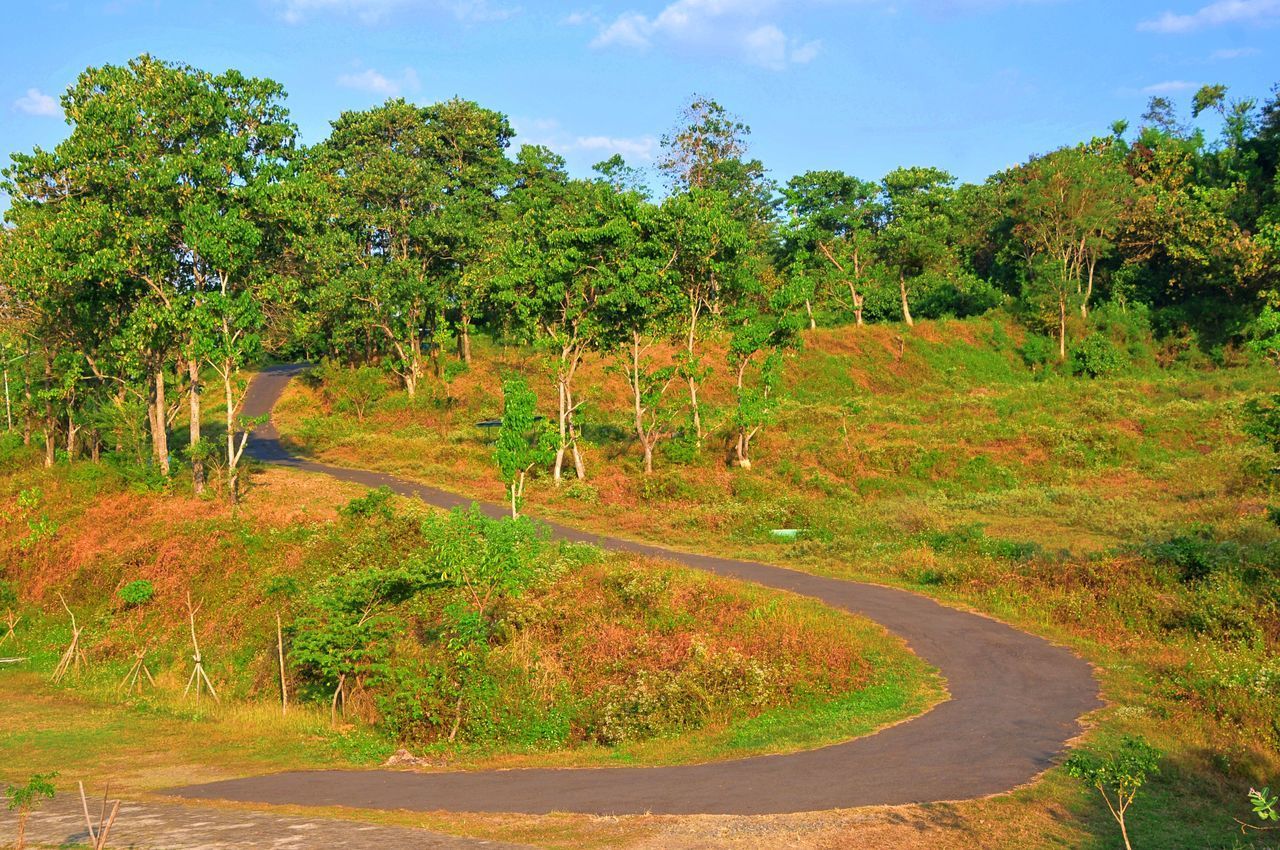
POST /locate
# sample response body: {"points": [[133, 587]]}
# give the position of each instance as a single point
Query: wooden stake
{"points": [[98, 834], [11, 620], [198, 676], [74, 656], [284, 687], [132, 680]]}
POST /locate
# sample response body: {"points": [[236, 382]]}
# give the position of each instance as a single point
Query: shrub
{"points": [[1095, 357], [1038, 351], [375, 503], [1195, 555], [138, 592], [1262, 420], [354, 390], [8, 595]]}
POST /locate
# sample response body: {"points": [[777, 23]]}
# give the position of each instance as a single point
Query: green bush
{"points": [[1038, 351], [138, 592], [1195, 555], [8, 594], [1096, 356]]}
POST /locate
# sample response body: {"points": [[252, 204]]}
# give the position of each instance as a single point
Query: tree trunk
{"points": [[197, 465], [72, 430], [808, 308], [464, 338], [49, 422], [693, 381], [233, 457], [415, 366], [1062, 326], [160, 425], [564, 428], [906, 308], [856, 300], [579, 468], [633, 374], [1088, 292]]}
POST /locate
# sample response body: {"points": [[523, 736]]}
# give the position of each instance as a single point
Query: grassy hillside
{"points": [[1124, 515], [597, 660]]}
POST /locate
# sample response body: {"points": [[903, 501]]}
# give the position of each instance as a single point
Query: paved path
{"points": [[183, 827], [1015, 700]]}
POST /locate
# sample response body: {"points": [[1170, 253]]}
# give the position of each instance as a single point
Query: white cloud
{"points": [[1170, 87], [376, 82], [376, 11], [1230, 53], [741, 28], [550, 133], [36, 102], [1214, 14], [641, 148]]}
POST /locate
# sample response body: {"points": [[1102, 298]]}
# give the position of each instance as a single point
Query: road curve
{"points": [[1015, 700]]}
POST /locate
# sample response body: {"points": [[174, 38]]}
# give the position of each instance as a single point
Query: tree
{"points": [[148, 214], [376, 191], [761, 325], [1118, 777], [830, 229], [915, 226], [524, 439], [23, 799], [468, 146], [572, 245], [708, 248]]}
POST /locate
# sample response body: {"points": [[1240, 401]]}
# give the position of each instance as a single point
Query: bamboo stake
{"points": [[284, 687], [11, 620], [132, 680], [198, 677], [74, 656], [98, 835]]}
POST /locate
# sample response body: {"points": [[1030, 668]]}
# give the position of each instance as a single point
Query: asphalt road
{"points": [[1015, 699]]}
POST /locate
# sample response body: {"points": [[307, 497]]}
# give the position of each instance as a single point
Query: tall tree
{"points": [[829, 232], [915, 226], [573, 245], [374, 238]]}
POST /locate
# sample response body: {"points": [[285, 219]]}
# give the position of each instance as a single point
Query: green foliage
{"points": [[8, 594], [1195, 555], [1262, 420], [137, 592], [1264, 805], [375, 503], [26, 797], [1095, 356], [1118, 776], [1038, 351], [353, 389], [525, 440]]}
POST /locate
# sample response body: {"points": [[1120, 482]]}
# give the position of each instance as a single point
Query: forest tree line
{"points": [[181, 231]]}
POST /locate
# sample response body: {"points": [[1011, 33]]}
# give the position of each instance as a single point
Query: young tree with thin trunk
{"points": [[524, 439]]}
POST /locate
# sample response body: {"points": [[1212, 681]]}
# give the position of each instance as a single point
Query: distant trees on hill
{"points": [[180, 229]]}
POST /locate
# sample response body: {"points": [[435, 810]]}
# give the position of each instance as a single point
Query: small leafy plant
{"points": [[23, 799], [1118, 777], [138, 592]]}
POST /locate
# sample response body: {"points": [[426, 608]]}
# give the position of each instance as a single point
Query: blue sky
{"points": [[861, 85]]}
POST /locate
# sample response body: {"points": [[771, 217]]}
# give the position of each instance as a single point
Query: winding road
{"points": [[1015, 700]]}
